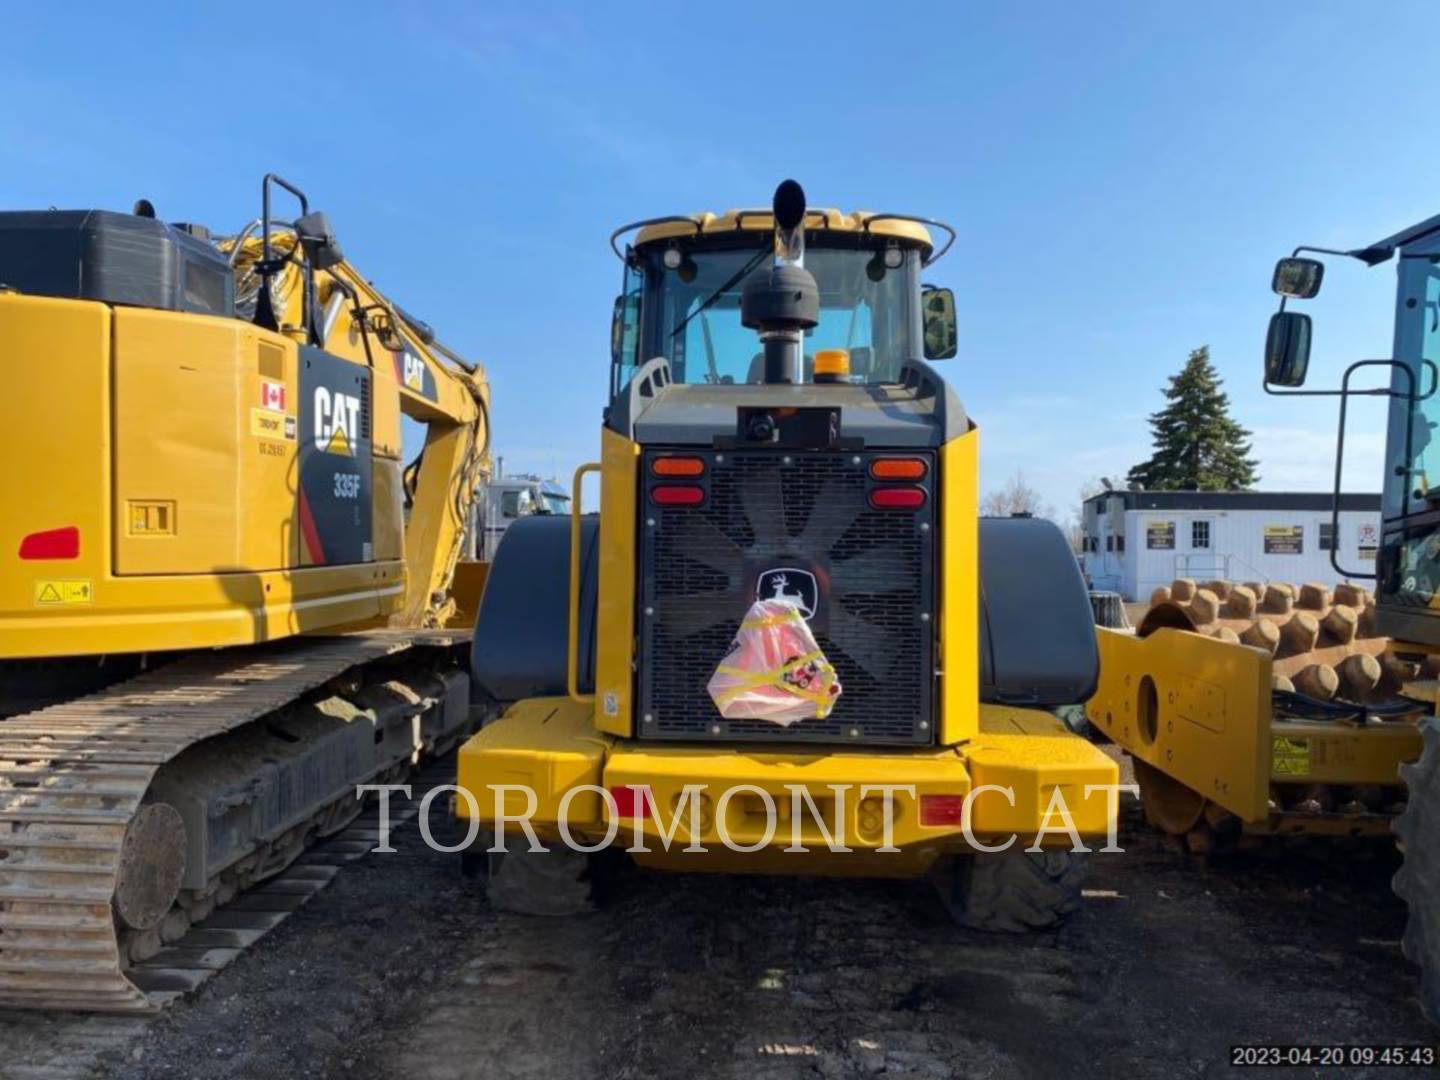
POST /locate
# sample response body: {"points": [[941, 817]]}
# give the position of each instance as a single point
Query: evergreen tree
{"points": [[1198, 447]]}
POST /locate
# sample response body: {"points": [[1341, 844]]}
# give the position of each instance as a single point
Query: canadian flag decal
{"points": [[272, 395]]}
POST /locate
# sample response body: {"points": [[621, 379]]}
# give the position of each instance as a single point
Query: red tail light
{"points": [[677, 495], [897, 498], [678, 466], [942, 809], [631, 802], [52, 544]]}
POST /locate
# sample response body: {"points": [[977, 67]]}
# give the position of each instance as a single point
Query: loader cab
{"points": [[1404, 558], [684, 279]]}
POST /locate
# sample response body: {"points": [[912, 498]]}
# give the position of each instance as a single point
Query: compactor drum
{"points": [[204, 462], [1331, 731], [781, 456]]}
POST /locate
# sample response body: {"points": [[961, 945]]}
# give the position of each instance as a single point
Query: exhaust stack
{"points": [[783, 302]]}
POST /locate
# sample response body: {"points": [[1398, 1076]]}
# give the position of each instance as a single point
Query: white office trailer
{"points": [[1135, 541]]}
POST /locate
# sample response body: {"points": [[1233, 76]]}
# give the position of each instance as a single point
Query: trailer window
{"points": [[1200, 534]]}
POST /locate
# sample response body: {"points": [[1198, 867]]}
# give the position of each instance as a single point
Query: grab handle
{"points": [[572, 661]]}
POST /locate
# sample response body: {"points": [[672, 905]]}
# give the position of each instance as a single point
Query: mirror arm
{"points": [[1322, 251], [1375, 391]]}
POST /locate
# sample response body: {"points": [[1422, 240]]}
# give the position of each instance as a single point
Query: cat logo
{"points": [[413, 370], [337, 422]]}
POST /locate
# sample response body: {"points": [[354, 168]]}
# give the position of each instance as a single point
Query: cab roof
{"points": [[763, 221]]}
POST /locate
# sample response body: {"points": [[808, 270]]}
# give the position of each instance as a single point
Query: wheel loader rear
{"points": [[203, 446], [774, 443], [1271, 709]]}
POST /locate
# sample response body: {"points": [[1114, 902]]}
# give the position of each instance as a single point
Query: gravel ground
{"points": [[400, 969]]}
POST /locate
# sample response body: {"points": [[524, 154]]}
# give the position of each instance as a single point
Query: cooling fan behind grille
{"points": [[778, 522]]}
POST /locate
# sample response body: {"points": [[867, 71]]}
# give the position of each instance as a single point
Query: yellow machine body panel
{"points": [[203, 471], [1031, 755], [619, 461], [1196, 708], [959, 611], [550, 745]]}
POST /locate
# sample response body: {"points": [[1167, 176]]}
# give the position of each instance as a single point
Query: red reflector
{"points": [[897, 498], [897, 469], [52, 544], [678, 466], [630, 801], [942, 809], [677, 495]]}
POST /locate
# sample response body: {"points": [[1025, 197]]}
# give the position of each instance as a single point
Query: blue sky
{"points": [[1122, 176]]}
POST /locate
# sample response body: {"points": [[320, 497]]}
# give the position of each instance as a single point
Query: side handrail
{"points": [[572, 635]]}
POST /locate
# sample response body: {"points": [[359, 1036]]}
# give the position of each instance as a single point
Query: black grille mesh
{"points": [[700, 566]]}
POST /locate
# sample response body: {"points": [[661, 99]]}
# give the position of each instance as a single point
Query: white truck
{"points": [[509, 498]]}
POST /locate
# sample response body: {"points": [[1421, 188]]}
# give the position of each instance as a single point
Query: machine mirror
{"points": [[1287, 349], [318, 239], [1299, 279], [941, 335]]}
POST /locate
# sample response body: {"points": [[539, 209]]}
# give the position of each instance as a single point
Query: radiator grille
{"points": [[700, 567]]}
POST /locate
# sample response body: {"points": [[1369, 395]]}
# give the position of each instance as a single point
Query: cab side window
{"points": [[625, 325]]}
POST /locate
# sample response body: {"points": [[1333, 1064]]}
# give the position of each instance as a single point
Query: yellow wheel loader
{"points": [[203, 465], [776, 439], [1264, 708]]}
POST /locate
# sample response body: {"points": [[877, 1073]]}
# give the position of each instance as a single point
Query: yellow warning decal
{"points": [[269, 424], [1290, 757], [73, 591], [339, 444]]}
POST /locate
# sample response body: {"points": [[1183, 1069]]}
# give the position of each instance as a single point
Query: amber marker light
{"points": [[898, 468]]}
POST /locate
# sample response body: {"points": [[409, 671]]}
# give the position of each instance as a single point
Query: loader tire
{"points": [[554, 883], [1013, 892], [1418, 880]]}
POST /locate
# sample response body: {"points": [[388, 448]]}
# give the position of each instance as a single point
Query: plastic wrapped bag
{"points": [[774, 670]]}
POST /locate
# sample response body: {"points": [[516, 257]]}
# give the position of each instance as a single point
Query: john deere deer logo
{"points": [[790, 583]]}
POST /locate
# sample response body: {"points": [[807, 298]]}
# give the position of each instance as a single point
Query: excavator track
{"points": [[1418, 880], [87, 852]]}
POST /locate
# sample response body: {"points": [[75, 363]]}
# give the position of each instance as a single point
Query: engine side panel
{"points": [[182, 520]]}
